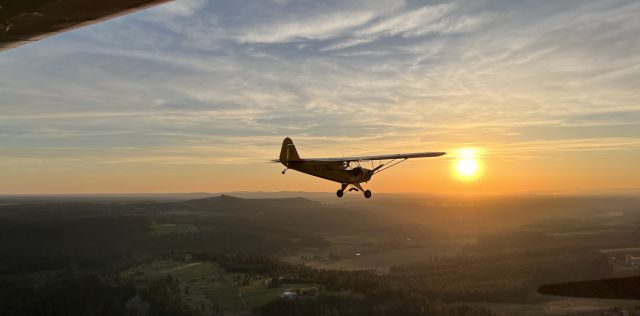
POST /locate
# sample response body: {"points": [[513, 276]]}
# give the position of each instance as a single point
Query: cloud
{"points": [[406, 21], [409, 23], [316, 28], [183, 8]]}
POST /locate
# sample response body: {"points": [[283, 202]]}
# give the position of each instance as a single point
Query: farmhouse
{"points": [[288, 295]]}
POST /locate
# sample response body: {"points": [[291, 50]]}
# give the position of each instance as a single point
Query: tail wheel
{"points": [[367, 194], [339, 193]]}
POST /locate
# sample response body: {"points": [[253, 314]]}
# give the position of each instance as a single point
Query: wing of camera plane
{"points": [[626, 288], [26, 21]]}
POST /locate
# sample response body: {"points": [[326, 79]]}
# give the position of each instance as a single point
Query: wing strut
{"points": [[382, 166]]}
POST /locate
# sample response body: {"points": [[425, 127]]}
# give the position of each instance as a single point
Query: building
{"points": [[288, 295]]}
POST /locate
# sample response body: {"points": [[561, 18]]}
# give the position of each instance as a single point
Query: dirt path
{"points": [[182, 267]]}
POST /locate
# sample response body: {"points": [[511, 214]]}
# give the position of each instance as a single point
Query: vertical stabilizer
{"points": [[288, 151]]}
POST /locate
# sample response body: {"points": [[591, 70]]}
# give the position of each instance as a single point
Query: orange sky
{"points": [[559, 174], [150, 103]]}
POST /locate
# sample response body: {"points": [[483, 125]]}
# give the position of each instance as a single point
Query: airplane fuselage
{"points": [[333, 171]]}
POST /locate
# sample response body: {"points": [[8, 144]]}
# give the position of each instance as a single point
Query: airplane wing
{"points": [[26, 21], [627, 288], [378, 157]]}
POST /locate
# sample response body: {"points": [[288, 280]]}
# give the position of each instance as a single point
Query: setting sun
{"points": [[467, 166]]}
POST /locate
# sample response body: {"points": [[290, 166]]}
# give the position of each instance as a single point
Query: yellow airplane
{"points": [[340, 169]]}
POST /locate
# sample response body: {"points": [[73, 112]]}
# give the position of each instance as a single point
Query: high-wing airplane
{"points": [[341, 170], [26, 21]]}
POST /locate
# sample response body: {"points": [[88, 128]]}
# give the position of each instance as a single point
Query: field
{"points": [[361, 252], [207, 288], [205, 285]]}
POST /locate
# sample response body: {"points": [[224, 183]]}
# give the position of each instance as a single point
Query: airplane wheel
{"points": [[367, 194], [339, 193]]}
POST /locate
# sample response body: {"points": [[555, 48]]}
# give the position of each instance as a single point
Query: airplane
{"points": [[340, 169]]}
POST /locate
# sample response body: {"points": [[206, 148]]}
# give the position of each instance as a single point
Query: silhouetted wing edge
{"points": [[627, 288], [28, 21], [379, 157]]}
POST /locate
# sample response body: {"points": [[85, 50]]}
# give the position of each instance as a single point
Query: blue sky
{"points": [[213, 84]]}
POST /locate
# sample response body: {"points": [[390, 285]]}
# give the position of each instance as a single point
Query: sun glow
{"points": [[467, 166]]}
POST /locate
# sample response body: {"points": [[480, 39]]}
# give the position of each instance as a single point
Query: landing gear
{"points": [[354, 187], [340, 192], [285, 170]]}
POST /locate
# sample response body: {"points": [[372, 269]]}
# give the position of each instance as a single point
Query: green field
{"points": [[353, 252], [207, 287]]}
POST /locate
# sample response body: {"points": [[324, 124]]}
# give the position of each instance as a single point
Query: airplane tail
{"points": [[288, 151]]}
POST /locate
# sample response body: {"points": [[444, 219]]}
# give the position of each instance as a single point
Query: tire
{"points": [[339, 193], [367, 194]]}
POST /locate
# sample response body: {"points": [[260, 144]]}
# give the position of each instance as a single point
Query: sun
{"points": [[467, 166]]}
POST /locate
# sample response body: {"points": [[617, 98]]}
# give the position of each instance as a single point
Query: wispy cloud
{"points": [[182, 7], [318, 28], [407, 21]]}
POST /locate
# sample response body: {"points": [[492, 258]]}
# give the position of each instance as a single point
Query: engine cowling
{"points": [[361, 174]]}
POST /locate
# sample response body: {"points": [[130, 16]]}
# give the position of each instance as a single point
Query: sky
{"points": [[196, 96]]}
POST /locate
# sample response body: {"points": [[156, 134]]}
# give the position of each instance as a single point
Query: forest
{"points": [[233, 256]]}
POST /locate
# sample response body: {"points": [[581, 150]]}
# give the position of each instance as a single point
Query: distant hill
{"points": [[39, 234], [290, 213], [231, 203]]}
